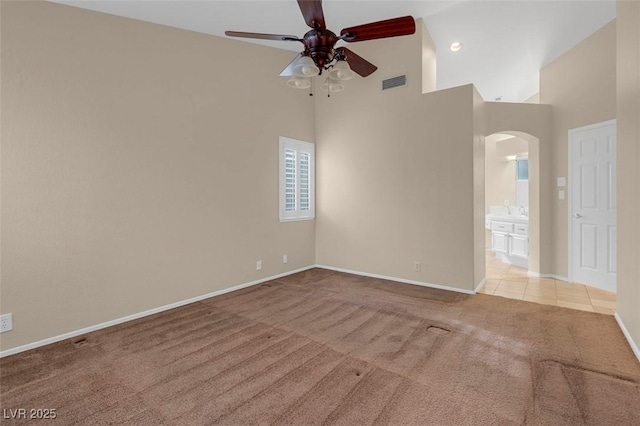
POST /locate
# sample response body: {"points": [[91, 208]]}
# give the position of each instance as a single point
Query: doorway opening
{"points": [[512, 230], [507, 199]]}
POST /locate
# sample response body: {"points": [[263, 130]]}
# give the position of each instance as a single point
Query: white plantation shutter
{"points": [[304, 181], [289, 180], [296, 180]]}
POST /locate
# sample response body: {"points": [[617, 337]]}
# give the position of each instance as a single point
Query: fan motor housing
{"points": [[319, 45]]}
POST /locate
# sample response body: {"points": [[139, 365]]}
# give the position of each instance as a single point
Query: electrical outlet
{"points": [[6, 322], [417, 266], [258, 265], [285, 259]]}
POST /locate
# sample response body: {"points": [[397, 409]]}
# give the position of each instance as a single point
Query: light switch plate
{"points": [[562, 181], [561, 195]]}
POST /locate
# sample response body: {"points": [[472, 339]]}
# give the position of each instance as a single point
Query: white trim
{"points": [[131, 317], [568, 192], [479, 286], [400, 280], [554, 276], [633, 345], [594, 126]]}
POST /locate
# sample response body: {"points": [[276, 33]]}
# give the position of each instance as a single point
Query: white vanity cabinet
{"points": [[500, 236], [510, 240], [500, 242], [519, 241], [519, 246]]}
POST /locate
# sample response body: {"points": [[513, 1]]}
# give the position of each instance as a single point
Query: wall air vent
{"points": [[390, 83]]}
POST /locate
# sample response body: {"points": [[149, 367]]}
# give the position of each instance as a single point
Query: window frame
{"points": [[297, 214]]}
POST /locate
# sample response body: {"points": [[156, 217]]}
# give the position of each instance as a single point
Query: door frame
{"points": [[569, 187]]}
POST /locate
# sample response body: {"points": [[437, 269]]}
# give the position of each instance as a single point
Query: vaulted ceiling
{"points": [[505, 43]]}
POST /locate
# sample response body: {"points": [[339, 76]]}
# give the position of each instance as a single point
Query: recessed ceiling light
{"points": [[455, 46]]}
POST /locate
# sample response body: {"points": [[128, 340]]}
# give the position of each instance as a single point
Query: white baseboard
{"points": [[132, 317], [554, 276], [633, 345], [400, 280], [117, 321], [561, 278]]}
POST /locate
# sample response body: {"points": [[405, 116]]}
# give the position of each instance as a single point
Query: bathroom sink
{"points": [[508, 218], [507, 214]]}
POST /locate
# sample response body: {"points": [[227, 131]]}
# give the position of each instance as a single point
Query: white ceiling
{"points": [[505, 43]]}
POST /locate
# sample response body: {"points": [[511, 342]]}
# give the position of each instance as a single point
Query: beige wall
{"points": [[395, 173], [479, 188], [395, 186], [628, 144], [138, 168], [581, 87], [429, 58]]}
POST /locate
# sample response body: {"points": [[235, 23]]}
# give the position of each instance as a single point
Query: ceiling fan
{"points": [[320, 53]]}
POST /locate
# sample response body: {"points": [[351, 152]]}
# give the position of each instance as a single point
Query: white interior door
{"points": [[593, 205]]}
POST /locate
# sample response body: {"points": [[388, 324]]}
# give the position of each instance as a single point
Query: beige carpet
{"points": [[332, 348]]}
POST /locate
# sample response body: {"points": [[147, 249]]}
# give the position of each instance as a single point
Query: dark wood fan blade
{"points": [[381, 29], [279, 37], [288, 71], [312, 13], [358, 64]]}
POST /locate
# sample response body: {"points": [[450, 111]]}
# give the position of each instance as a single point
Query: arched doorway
{"points": [[530, 122], [516, 196], [507, 197], [510, 178]]}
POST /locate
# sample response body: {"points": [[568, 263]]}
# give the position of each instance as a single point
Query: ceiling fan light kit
{"points": [[341, 71], [320, 53], [299, 82], [331, 85], [305, 67]]}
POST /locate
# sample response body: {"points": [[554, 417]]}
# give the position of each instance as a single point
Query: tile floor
{"points": [[514, 282]]}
